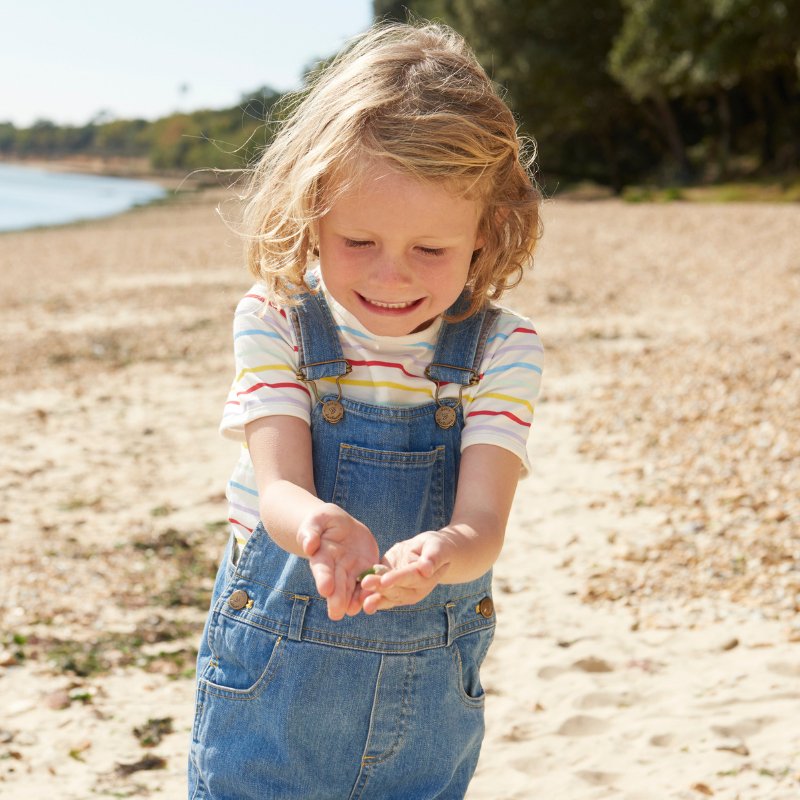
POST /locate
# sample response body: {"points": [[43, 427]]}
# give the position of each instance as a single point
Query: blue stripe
{"points": [[520, 364], [258, 332], [242, 488], [354, 332]]}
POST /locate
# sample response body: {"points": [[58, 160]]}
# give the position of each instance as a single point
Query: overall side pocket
{"points": [[244, 659], [469, 652]]}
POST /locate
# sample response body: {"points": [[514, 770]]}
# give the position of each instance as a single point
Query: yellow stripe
{"points": [[507, 397], [383, 384], [263, 368]]}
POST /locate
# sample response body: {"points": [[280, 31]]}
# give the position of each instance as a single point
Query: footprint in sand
{"points": [[606, 699], [518, 733], [590, 664], [662, 739], [784, 669], [743, 728], [593, 664], [597, 778], [583, 725], [548, 673]]}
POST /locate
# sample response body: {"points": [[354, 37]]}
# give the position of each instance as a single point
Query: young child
{"points": [[385, 402]]}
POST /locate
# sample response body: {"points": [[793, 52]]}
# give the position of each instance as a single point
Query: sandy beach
{"points": [[648, 642]]}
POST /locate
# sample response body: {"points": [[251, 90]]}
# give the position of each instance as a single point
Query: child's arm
{"points": [[337, 545], [463, 550]]}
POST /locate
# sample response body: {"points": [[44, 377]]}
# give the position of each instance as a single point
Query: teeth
{"points": [[391, 305]]}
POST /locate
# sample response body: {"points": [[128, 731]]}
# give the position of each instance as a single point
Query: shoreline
{"points": [[172, 186], [132, 168]]}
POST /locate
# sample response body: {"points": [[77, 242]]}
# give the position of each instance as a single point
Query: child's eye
{"points": [[356, 243], [432, 251]]}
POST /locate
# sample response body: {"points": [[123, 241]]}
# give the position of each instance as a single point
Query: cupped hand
{"points": [[339, 549], [414, 568]]}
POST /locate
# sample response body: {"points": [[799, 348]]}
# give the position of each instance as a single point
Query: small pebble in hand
{"points": [[378, 569]]}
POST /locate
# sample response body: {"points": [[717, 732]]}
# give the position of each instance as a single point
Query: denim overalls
{"points": [[291, 704]]}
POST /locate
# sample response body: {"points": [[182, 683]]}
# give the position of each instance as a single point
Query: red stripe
{"points": [[271, 305], [236, 522], [274, 386], [279, 310], [383, 364], [523, 330], [497, 413], [232, 403]]}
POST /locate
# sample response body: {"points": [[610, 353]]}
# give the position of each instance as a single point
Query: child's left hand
{"points": [[414, 568]]}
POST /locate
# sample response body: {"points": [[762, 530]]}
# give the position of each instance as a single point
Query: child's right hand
{"points": [[339, 549]]}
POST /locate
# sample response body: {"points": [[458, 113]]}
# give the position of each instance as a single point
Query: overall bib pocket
{"points": [[367, 484]]}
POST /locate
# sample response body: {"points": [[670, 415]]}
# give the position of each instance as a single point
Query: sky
{"points": [[71, 60]]}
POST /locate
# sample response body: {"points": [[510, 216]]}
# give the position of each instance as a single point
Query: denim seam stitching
{"points": [[469, 701], [358, 642]]}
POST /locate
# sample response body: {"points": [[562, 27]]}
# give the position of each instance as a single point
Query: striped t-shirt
{"points": [[386, 370]]}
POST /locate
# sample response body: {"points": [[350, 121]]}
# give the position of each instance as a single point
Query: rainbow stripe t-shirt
{"points": [[386, 370]]}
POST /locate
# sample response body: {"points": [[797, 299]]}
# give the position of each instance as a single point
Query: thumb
{"points": [[309, 537], [432, 558]]}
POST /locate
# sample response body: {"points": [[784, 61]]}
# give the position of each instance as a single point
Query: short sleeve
{"points": [[265, 357], [500, 409]]}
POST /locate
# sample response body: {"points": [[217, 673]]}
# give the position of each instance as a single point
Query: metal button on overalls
{"points": [[238, 599], [486, 607]]}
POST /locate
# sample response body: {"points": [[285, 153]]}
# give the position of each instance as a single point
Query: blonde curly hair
{"points": [[414, 96]]}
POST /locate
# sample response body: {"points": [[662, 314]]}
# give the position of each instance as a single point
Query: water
{"points": [[31, 197]]}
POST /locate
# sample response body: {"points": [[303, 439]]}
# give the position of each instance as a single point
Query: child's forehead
{"points": [[371, 176]]}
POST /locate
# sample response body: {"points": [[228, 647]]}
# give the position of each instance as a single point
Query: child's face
{"points": [[395, 251]]}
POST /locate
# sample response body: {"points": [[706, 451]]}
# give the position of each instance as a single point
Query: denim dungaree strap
{"points": [[291, 704], [318, 349]]}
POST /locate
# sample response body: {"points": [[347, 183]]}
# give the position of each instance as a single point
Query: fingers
{"points": [[344, 587], [399, 596], [323, 573], [400, 587], [335, 583], [410, 575]]}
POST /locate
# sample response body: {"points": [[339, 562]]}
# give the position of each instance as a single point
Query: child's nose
{"points": [[392, 269]]}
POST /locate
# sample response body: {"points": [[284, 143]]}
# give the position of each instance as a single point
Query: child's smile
{"points": [[395, 251]]}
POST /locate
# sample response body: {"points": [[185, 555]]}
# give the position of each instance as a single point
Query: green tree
{"points": [[8, 137], [678, 53]]}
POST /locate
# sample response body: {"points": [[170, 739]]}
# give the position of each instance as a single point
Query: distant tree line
{"points": [[613, 91], [229, 138]]}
